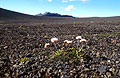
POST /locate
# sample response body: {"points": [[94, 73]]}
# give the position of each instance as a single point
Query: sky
{"points": [[77, 8]]}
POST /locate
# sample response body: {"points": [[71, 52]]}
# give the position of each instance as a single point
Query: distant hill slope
{"points": [[49, 17], [8, 14], [53, 15], [12, 15]]}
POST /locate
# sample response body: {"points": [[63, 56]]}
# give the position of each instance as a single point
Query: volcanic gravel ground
{"points": [[26, 39]]}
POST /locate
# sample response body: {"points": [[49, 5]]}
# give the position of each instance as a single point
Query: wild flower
{"points": [[83, 40], [114, 41], [65, 44], [53, 40], [65, 41], [69, 42], [46, 45], [78, 38]]}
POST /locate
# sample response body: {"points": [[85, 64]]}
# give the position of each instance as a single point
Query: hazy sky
{"points": [[78, 8]]}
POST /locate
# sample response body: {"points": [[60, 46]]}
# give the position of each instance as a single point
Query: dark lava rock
{"points": [[5, 59], [104, 58], [29, 55]]}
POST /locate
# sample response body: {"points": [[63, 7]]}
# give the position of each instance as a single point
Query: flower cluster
{"points": [[67, 42]]}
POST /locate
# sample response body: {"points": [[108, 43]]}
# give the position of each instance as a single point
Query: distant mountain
{"points": [[12, 15], [7, 14], [53, 15]]}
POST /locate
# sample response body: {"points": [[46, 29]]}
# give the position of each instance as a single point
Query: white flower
{"points": [[78, 37], [69, 42], [46, 45], [65, 41], [54, 40], [83, 40]]}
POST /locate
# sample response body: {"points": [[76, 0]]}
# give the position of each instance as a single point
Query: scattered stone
{"points": [[102, 69], [5, 59], [5, 47], [29, 55]]}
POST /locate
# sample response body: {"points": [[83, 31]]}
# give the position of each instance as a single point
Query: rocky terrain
{"points": [[22, 52]]}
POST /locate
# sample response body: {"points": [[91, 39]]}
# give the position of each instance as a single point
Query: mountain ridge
{"points": [[8, 14], [53, 15]]}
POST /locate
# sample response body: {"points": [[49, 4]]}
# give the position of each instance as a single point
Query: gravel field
{"points": [[22, 52]]}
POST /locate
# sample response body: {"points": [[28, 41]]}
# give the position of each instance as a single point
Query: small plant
{"points": [[20, 27], [68, 52], [78, 38], [25, 59]]}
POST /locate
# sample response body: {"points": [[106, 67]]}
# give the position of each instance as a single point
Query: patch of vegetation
{"points": [[106, 34], [72, 55], [25, 59], [20, 27], [47, 36]]}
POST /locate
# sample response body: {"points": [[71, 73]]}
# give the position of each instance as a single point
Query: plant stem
{"points": [[78, 43], [55, 46]]}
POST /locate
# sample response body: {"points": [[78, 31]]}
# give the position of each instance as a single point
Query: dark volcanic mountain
{"points": [[53, 15], [47, 16], [7, 15], [12, 15]]}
